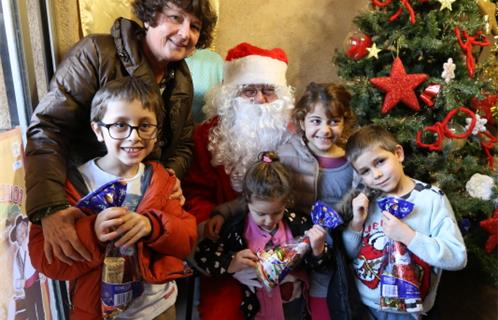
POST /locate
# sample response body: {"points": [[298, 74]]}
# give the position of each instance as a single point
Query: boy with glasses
{"points": [[125, 117]]}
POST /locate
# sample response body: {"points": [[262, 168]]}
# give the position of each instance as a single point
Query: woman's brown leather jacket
{"points": [[60, 135]]}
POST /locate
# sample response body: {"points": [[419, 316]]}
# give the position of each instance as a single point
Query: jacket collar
{"points": [[297, 140]]}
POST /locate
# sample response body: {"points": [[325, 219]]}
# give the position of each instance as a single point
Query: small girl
{"points": [[316, 157], [264, 223]]}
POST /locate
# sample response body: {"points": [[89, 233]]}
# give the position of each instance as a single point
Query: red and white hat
{"points": [[247, 64]]}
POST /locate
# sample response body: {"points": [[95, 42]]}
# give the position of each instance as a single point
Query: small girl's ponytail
{"points": [[267, 179]]}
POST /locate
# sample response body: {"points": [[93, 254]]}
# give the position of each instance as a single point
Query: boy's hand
{"points": [[213, 226], [396, 229], [107, 222], [242, 259], [61, 239], [360, 212], [134, 227], [176, 193], [317, 236]]}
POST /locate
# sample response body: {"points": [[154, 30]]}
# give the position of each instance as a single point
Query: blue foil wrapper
{"points": [[325, 216], [398, 207], [111, 194]]}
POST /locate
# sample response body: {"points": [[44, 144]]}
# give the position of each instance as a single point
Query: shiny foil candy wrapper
{"points": [[121, 281], [275, 263], [399, 282], [111, 194]]}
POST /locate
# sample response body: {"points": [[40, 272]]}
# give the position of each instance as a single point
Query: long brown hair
{"points": [[336, 100]]}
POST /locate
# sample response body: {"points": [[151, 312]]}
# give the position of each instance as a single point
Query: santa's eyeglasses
{"points": [[251, 91]]}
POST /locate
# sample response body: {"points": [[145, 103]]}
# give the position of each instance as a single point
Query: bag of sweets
{"points": [[121, 281], [274, 264], [399, 282]]}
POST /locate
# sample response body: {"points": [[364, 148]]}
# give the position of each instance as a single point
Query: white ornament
{"points": [[480, 124], [448, 70], [480, 186]]}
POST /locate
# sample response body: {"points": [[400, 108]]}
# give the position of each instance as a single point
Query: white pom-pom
{"points": [[480, 186]]}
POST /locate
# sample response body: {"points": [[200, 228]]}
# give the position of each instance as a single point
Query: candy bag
{"points": [[121, 281], [275, 263], [399, 283]]}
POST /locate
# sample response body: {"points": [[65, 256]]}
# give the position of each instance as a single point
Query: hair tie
{"points": [[267, 159]]}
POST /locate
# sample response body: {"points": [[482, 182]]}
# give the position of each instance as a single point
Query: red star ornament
{"points": [[491, 227], [399, 87]]}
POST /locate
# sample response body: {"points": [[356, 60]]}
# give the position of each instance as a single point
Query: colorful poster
{"points": [[24, 293]]}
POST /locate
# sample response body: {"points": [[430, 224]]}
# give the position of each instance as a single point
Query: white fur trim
{"points": [[255, 69]]}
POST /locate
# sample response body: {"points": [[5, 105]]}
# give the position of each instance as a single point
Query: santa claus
{"points": [[247, 114]]}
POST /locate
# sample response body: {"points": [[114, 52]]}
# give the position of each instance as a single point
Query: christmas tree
{"points": [[412, 67]]}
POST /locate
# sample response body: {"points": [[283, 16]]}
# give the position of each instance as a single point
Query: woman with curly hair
{"points": [[60, 136]]}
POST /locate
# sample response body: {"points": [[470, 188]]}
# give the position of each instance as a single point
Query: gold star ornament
{"points": [[373, 51], [446, 4]]}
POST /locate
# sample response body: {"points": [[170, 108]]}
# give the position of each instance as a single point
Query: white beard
{"points": [[244, 130]]}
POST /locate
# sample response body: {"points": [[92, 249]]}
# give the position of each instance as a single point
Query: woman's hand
{"points": [[61, 239], [176, 193], [360, 212], [243, 259], [213, 226], [317, 235]]}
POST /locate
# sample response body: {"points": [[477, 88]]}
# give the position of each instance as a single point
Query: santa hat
{"points": [[247, 64]]}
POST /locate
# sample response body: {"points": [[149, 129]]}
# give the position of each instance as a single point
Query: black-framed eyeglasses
{"points": [[122, 130]]}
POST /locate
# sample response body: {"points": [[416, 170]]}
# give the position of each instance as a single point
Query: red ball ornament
{"points": [[356, 45]]}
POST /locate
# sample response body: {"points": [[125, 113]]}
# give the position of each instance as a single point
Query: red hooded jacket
{"points": [[160, 255]]}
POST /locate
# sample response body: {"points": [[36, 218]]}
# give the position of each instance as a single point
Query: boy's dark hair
{"points": [[267, 179], [334, 97], [146, 10], [369, 137], [127, 89]]}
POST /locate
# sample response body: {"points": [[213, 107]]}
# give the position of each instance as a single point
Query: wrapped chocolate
{"points": [[325, 216], [121, 281], [274, 264], [111, 194], [399, 283]]}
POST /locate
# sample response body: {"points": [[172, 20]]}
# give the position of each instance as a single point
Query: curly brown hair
{"points": [[146, 10], [333, 96]]}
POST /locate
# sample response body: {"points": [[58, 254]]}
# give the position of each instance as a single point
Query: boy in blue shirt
{"points": [[430, 231]]}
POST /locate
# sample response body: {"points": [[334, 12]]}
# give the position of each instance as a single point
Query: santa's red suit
{"points": [[205, 187]]}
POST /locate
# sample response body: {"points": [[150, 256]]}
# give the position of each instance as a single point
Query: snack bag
{"points": [[274, 264], [121, 281], [399, 283]]}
